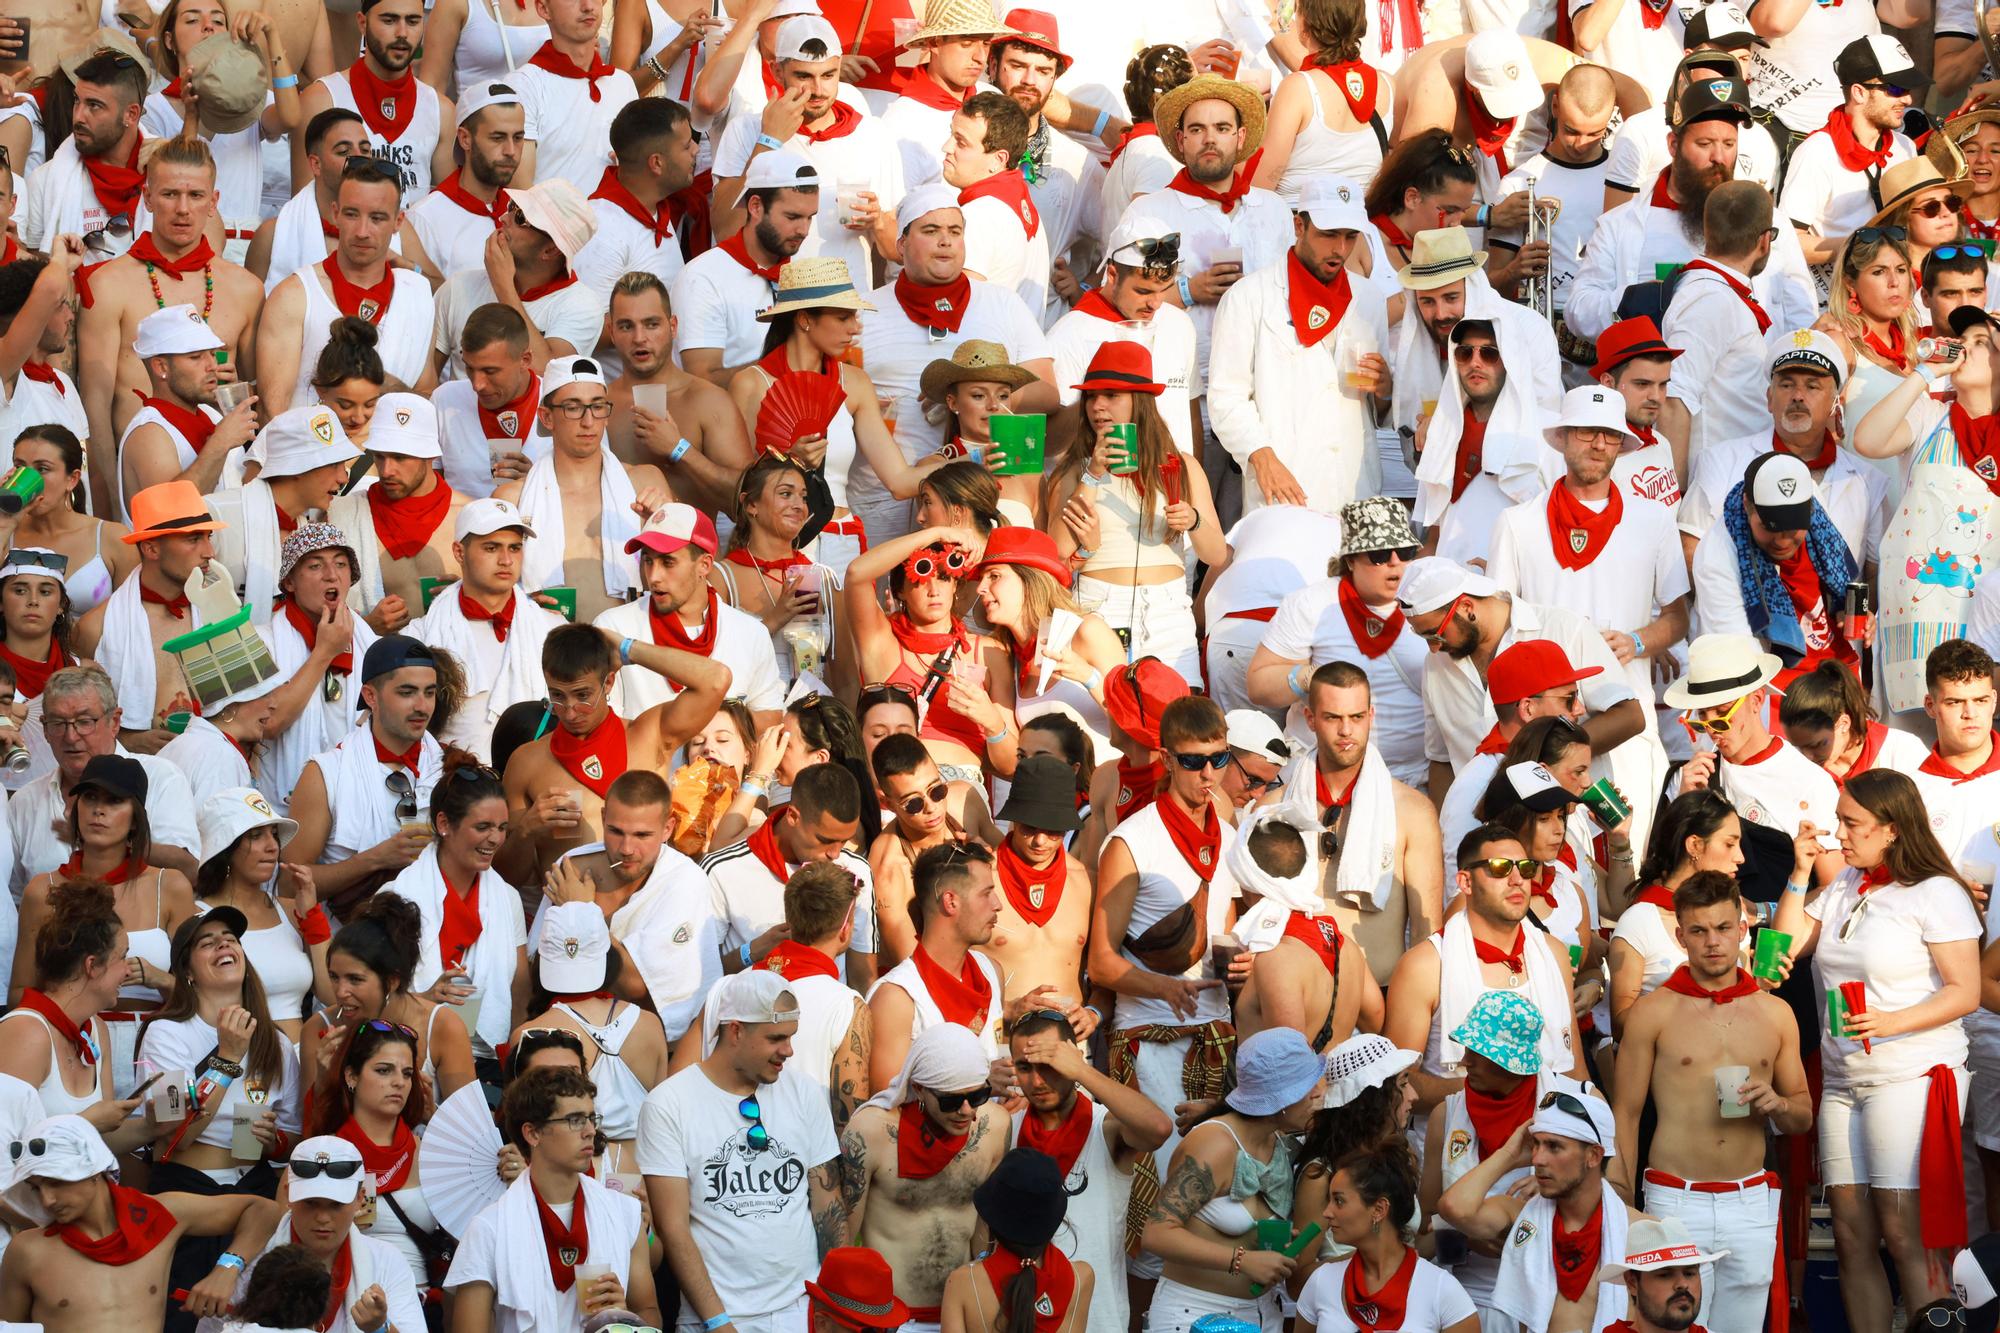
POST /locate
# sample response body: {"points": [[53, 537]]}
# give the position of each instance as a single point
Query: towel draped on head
{"points": [[943, 1058]]}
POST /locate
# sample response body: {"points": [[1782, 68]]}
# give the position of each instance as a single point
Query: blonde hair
{"points": [[1856, 254], [186, 149]]}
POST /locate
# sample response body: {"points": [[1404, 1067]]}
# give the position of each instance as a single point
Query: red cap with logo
{"points": [[1530, 667]]}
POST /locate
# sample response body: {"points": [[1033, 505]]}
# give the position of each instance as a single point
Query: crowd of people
{"points": [[776, 666]]}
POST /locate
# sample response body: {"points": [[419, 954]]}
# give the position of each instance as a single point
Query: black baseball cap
{"points": [[1965, 316], [1720, 98], [115, 775], [393, 652], [1781, 488], [1878, 58]]}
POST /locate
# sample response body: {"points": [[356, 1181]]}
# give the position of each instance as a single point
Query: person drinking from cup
{"points": [[976, 385], [764, 574], [54, 520]]}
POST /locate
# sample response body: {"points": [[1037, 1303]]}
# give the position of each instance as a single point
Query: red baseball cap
{"points": [[1528, 668], [1029, 547], [673, 526], [857, 1290], [1135, 695], [1637, 336]]}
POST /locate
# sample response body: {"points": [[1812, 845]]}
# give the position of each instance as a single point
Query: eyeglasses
{"points": [[1402, 553], [582, 1122], [1894, 90], [1485, 353], [1714, 726], [1931, 208], [30, 1148], [379, 166], [331, 1170], [1500, 866], [1971, 249], [950, 1102], [1850, 927], [1870, 235], [1253, 783], [115, 232], [1563, 1101], [60, 725], [760, 1137], [918, 801], [575, 411], [397, 780], [1196, 762], [1945, 1316]]}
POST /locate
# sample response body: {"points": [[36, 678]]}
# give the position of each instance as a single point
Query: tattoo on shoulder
{"points": [[1190, 1186]]}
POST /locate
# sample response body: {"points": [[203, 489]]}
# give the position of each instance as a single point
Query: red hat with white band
{"points": [[1662, 1243]]}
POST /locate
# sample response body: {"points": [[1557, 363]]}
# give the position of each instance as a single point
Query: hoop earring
{"points": [[1853, 304]]}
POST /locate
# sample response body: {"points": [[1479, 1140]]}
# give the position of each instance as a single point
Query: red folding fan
{"points": [[798, 406]]}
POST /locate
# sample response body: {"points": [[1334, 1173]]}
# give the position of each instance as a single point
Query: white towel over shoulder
{"points": [[541, 503]]}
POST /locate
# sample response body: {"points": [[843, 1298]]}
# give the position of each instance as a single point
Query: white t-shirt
{"points": [[185, 1043], [572, 312], [1792, 75], [750, 1210], [1260, 226], [1647, 473], [749, 899], [1648, 932], [1826, 198], [999, 249], [1780, 788], [570, 131], [1639, 152], [1854, 495], [1578, 187], [1076, 336], [1311, 626], [716, 301], [1721, 377], [1435, 1303]]}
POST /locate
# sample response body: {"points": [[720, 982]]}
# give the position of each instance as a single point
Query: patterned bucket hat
{"points": [[1379, 523], [1506, 1028]]}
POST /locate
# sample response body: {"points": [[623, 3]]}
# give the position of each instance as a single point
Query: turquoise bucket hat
{"points": [[1505, 1028]]}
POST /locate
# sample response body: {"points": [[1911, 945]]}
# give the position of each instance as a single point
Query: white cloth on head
{"points": [[1460, 983], [1365, 875], [945, 1058], [541, 503], [1260, 928], [250, 544], [503, 1248]]}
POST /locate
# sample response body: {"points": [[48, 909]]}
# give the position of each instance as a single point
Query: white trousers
{"points": [[1159, 616], [1232, 642], [1158, 1066], [1744, 1221], [1176, 1308]]}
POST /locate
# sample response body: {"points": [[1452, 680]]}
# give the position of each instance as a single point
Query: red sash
{"points": [[404, 526], [30, 677], [669, 631], [1317, 307], [370, 303], [596, 758], [922, 1152], [147, 251], [1011, 189], [555, 62], [1494, 1119], [1066, 1141], [502, 620], [389, 1163], [567, 1246], [658, 221], [307, 625], [116, 187], [1471, 451], [1055, 1283], [1577, 533], [1382, 1308], [1940, 1165], [79, 1038], [1682, 982], [1198, 844], [939, 309], [1741, 289], [140, 1223], [459, 930], [386, 107], [792, 960], [1034, 893], [1373, 634], [965, 999]]}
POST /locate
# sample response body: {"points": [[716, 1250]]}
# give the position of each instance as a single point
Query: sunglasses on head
{"points": [[379, 166], [1563, 1101], [1500, 866], [1402, 553], [26, 1148], [759, 1137], [917, 801], [1486, 354], [1971, 249], [383, 1025], [331, 1170], [950, 1102], [1157, 254], [1196, 762], [1870, 235]]}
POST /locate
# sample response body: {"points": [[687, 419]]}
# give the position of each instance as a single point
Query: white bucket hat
{"points": [[235, 811], [1588, 407], [1365, 1060]]}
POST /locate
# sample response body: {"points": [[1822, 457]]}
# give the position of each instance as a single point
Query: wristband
{"points": [[1933, 375], [753, 790], [1638, 646], [679, 451], [710, 1325], [1187, 292], [314, 928], [659, 70], [1097, 130], [1092, 479], [997, 736], [1292, 681], [743, 953], [1093, 683], [1794, 888], [284, 81], [1085, 553], [1097, 1013], [1480, 218], [766, 141], [625, 650], [228, 1260]]}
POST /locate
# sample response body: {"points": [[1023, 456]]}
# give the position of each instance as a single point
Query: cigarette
{"points": [[613, 862]]}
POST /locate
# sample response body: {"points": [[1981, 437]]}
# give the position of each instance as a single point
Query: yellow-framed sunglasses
{"points": [[1714, 726]]}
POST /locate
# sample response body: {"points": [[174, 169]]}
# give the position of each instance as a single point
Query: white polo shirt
{"points": [[1826, 198], [571, 133], [1311, 626], [1075, 338], [621, 245], [741, 643], [1260, 226], [864, 158], [572, 312], [716, 301], [32, 403], [1855, 495], [1722, 375], [748, 899]]}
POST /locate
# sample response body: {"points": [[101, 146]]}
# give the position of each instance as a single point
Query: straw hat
{"points": [[1170, 106], [959, 18], [814, 284], [1906, 179], [972, 361], [1439, 257]]}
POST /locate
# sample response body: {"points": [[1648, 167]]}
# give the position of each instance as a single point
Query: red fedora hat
{"points": [[856, 1289], [1120, 367]]}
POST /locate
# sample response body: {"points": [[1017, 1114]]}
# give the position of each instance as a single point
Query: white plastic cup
{"points": [[1228, 254], [1728, 1078], [229, 396], [650, 398], [243, 1143], [847, 194]]}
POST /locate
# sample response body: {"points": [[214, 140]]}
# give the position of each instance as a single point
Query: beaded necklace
{"points": [[207, 289]]}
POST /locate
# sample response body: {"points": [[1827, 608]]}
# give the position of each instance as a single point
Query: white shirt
{"points": [[1779, 788], [621, 245], [468, 458], [919, 133], [1436, 1301], [1069, 194], [1854, 494], [30, 403], [1579, 188], [1166, 884], [57, 198], [1311, 626], [1825, 197], [749, 899], [750, 1210], [1722, 375], [1792, 76], [185, 1043], [716, 301], [999, 249], [741, 644], [34, 811], [1076, 336], [570, 131], [453, 237], [1647, 473], [1143, 166], [572, 312], [1719, 598], [1646, 54], [1639, 152], [1260, 226]]}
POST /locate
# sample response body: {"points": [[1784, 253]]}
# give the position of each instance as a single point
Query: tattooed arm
{"points": [[847, 1079], [854, 1170], [826, 1190], [1203, 1164]]}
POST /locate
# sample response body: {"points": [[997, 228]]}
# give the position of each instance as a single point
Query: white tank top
{"points": [[1320, 150], [57, 1099], [298, 240], [183, 451], [411, 150], [1458, 1154], [826, 1011], [489, 49], [403, 337], [388, 1228], [151, 946], [906, 977], [1093, 1228], [1166, 883], [1120, 543], [619, 1091], [283, 966]]}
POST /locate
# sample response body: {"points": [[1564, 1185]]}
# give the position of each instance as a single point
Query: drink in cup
{"points": [[1728, 1078], [228, 397], [1772, 946]]}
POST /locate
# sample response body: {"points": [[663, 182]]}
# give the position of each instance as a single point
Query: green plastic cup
{"points": [[1018, 444], [428, 589], [1661, 272], [1575, 957], [1127, 435], [565, 600], [19, 488], [1836, 1012], [178, 722], [1772, 946], [1606, 806]]}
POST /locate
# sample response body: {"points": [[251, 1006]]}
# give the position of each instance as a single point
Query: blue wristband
{"points": [[717, 1322], [1103, 119], [766, 141], [625, 651], [1187, 292], [284, 81], [742, 952], [228, 1260], [679, 451]]}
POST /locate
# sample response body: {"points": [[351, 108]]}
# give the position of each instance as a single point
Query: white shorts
{"points": [[1159, 616], [1158, 1068], [1176, 1308], [1741, 1220], [1232, 642], [1874, 1135]]}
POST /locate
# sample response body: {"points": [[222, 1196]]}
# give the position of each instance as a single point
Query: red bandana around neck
{"points": [[1066, 1140], [1853, 156], [191, 423], [1515, 958], [921, 1151], [845, 120], [763, 845], [1577, 532], [923, 641], [1227, 198], [1357, 81], [1373, 634], [10, 249], [453, 188], [1055, 1283], [122, 873], [920, 87], [1652, 13], [1489, 136], [1881, 877], [1742, 290], [177, 606], [939, 309], [1316, 307], [411, 758], [389, 1163], [1092, 303], [1657, 895], [597, 758], [369, 303], [1146, 129], [555, 62], [965, 998], [501, 620], [139, 1223], [460, 927], [1034, 893], [567, 1246], [1576, 1253], [549, 288], [1198, 844], [1321, 934], [116, 187], [741, 557], [30, 676], [1392, 233], [737, 250], [1682, 982], [1494, 743], [336, 1291], [80, 1038], [670, 631], [1663, 195], [1829, 452], [657, 221], [404, 527], [792, 960], [1496, 1117], [516, 419], [40, 371], [386, 105], [147, 251], [1382, 1308], [307, 625], [1895, 351], [1010, 188], [1937, 765], [1138, 787]]}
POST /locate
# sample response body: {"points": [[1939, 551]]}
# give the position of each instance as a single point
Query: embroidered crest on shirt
{"points": [[681, 935], [1460, 1144], [1524, 1233], [510, 421], [388, 109], [593, 768]]}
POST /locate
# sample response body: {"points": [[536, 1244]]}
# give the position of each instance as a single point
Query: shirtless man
{"points": [[402, 526], [100, 1266], [698, 411], [1045, 893], [172, 264], [1709, 1014], [556, 785], [585, 504], [906, 777], [911, 1158], [302, 27], [1309, 974], [1386, 882], [176, 434]]}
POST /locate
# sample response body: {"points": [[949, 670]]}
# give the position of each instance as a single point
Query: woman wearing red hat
{"points": [[1023, 582], [1151, 503]]}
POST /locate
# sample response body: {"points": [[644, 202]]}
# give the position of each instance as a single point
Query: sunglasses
{"points": [[26, 1148], [918, 801], [1852, 926], [383, 1025], [1436, 633], [1195, 763], [378, 166], [759, 1137], [105, 239], [1931, 208], [404, 790], [950, 1102], [1402, 553], [1714, 726], [1253, 783], [1485, 353], [331, 1170], [1894, 90], [1500, 866], [1563, 1101], [1972, 249], [1157, 254], [1944, 1316], [1870, 235]]}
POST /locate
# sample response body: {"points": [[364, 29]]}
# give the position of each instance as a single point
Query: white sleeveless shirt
{"points": [[1166, 883], [57, 1099], [826, 1011], [184, 452], [403, 335], [905, 976], [1094, 1226], [411, 150]]}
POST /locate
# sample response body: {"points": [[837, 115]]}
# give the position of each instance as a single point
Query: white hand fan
{"points": [[458, 1159]]}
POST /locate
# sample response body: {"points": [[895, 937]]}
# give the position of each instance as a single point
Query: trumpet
{"points": [[1539, 292]]}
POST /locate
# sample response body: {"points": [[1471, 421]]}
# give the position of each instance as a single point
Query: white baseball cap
{"points": [[785, 9], [799, 31], [405, 424], [332, 1170], [1252, 731], [1132, 229], [1499, 69], [489, 515], [778, 169], [1434, 582], [564, 371], [302, 439], [573, 947], [924, 199], [557, 209], [173, 330], [1333, 203], [490, 92]]}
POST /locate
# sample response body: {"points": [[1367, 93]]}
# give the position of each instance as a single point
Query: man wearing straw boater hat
{"points": [[1663, 1283], [717, 296], [952, 44]]}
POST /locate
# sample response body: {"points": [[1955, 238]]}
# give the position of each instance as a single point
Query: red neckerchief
{"points": [[119, 874], [387, 107], [738, 251], [286, 523], [597, 758], [1652, 13], [1373, 634], [1880, 877], [939, 309], [1895, 351], [1577, 1253], [307, 625], [1226, 199], [1324, 794], [965, 999], [389, 1163], [1138, 787], [1392, 233], [1577, 533], [336, 1291], [1808, 601], [1741, 289], [1382, 1308], [1663, 196], [1873, 734], [1145, 129], [1853, 155], [555, 62], [921, 1151], [763, 845], [516, 419], [1494, 742], [1515, 958], [502, 620], [1198, 844], [1066, 1141], [147, 251], [792, 960], [1317, 307], [453, 188], [1829, 450], [1682, 982], [30, 677], [117, 188], [409, 758], [1544, 886], [1659, 895], [177, 605], [1489, 136], [41, 372], [741, 556], [404, 526], [139, 1223], [1321, 934], [193, 425], [777, 363], [1936, 765], [845, 121], [460, 927], [1496, 1117], [1093, 304], [1645, 433], [669, 631], [549, 288], [1357, 81], [1034, 893], [1055, 1283], [658, 221], [370, 303], [567, 1246], [1980, 448], [80, 1038], [920, 87], [1010, 188], [1974, 227], [12, 250], [1471, 448], [923, 641]]}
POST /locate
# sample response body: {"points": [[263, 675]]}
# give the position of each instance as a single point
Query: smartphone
{"points": [[140, 1091], [26, 34]]}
